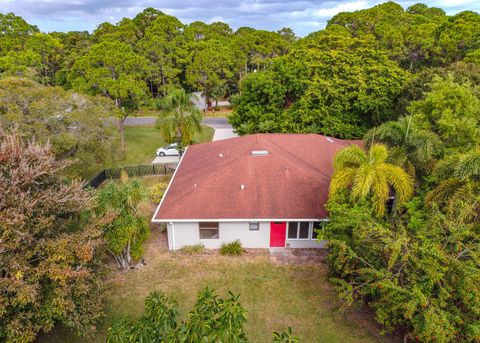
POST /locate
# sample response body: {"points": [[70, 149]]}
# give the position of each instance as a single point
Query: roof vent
{"points": [[259, 152], [220, 155], [242, 186], [330, 140]]}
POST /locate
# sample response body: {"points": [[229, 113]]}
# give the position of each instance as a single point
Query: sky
{"points": [[303, 16]]}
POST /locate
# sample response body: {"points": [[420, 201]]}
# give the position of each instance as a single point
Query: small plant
{"points": [[155, 193], [285, 337], [193, 249], [233, 248]]}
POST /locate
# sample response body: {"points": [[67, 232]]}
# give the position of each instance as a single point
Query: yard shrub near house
{"points": [[193, 249], [418, 271], [155, 192], [125, 229], [234, 248]]}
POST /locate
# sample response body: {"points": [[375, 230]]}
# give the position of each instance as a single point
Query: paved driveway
{"points": [[132, 121], [223, 129], [165, 159]]}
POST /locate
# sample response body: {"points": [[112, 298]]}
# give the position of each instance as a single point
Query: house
{"points": [[267, 190]]}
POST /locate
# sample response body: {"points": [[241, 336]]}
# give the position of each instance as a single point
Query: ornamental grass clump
{"points": [[193, 249], [234, 248]]}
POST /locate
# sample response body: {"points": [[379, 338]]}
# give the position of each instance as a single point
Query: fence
{"points": [[132, 171]]}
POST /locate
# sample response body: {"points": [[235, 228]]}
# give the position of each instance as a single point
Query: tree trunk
{"points": [[121, 129]]}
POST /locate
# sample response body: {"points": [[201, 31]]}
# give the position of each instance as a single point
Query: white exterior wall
{"points": [[305, 243], [182, 234]]}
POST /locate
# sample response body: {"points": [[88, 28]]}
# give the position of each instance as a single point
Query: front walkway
{"points": [[297, 256]]}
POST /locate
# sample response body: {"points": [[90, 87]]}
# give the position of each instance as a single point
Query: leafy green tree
{"points": [[180, 119], [419, 273], [15, 63], [114, 70], [329, 83], [212, 319], [51, 268], [452, 111], [50, 56], [458, 36], [213, 65], [77, 126], [408, 36], [126, 230], [368, 175], [164, 44], [421, 83], [15, 32]]}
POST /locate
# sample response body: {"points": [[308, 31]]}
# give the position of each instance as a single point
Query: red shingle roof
{"points": [[291, 182]]}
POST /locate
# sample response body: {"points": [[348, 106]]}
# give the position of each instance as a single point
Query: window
{"points": [[304, 230], [298, 230], [292, 230], [209, 230], [317, 226], [254, 226]]}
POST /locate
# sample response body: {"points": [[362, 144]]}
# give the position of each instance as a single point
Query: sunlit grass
{"points": [[275, 296], [142, 142]]}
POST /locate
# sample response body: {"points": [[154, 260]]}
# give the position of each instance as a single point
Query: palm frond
{"points": [[441, 193], [378, 153], [362, 183], [400, 181], [468, 166], [341, 179], [349, 157], [380, 190]]}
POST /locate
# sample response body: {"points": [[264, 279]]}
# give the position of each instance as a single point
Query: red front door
{"points": [[278, 231]]}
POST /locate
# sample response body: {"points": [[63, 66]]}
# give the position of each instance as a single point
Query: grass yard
{"points": [[275, 296], [143, 141]]}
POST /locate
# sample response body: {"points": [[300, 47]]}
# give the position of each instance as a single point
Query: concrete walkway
{"points": [[223, 129]]}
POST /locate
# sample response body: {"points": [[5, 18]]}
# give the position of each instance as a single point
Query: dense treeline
{"points": [[137, 59], [353, 75]]}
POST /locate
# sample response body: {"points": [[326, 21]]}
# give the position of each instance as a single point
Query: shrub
{"points": [[193, 249], [155, 193], [233, 248], [212, 319]]}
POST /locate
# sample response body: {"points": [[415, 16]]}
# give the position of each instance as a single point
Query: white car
{"points": [[168, 150]]}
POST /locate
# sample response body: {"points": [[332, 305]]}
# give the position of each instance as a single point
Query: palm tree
{"points": [[368, 174], [180, 118], [460, 175], [410, 147]]}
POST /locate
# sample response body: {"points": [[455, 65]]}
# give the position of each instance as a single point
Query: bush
{"points": [[212, 319], [193, 249], [233, 248], [155, 193]]}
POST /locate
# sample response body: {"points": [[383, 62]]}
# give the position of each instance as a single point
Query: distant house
{"points": [[267, 190]]}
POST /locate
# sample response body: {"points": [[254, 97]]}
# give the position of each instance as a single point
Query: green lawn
{"points": [[143, 141], [275, 296]]}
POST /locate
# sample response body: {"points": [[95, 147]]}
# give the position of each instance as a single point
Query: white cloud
{"points": [[303, 16], [345, 7]]}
